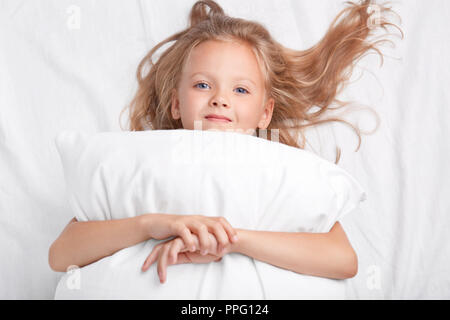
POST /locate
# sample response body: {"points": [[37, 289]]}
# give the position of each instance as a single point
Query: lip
{"points": [[216, 117]]}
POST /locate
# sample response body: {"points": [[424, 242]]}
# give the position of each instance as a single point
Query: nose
{"points": [[216, 103], [219, 100]]}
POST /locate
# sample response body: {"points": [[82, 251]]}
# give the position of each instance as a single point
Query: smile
{"points": [[217, 119]]}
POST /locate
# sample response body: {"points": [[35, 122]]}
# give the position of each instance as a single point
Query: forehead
{"points": [[223, 57]]}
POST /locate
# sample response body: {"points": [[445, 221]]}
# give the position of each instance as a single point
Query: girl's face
{"points": [[224, 79]]}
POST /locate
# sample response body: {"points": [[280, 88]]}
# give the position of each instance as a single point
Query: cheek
{"points": [[249, 120], [250, 112], [193, 100]]}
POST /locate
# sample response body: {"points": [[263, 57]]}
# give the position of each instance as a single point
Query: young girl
{"points": [[225, 73]]}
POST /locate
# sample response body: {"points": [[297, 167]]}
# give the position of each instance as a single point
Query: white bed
{"points": [[71, 65]]}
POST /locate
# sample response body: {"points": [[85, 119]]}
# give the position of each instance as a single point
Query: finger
{"points": [[213, 243], [202, 233], [183, 258], [175, 248], [188, 238], [232, 233], [162, 263], [169, 254], [221, 237], [151, 258], [198, 258]]}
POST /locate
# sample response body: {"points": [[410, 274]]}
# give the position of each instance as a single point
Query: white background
{"points": [[71, 65]]}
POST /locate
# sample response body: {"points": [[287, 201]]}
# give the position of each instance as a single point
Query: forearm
{"points": [[82, 243], [316, 254]]}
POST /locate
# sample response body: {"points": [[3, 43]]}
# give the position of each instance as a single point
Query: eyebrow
{"points": [[236, 78]]}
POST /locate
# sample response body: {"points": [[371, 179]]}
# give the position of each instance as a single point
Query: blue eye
{"points": [[245, 91], [201, 83]]}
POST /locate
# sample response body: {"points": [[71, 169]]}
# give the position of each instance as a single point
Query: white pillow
{"points": [[254, 183]]}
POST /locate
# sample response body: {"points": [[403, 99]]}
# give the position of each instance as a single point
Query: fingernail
{"points": [[235, 238]]}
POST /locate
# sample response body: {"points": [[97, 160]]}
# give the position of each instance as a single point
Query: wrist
{"points": [[145, 223], [236, 246]]}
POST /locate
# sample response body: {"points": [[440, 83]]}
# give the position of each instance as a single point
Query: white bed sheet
{"points": [[71, 65]]}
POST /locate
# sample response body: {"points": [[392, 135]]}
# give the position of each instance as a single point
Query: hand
{"points": [[162, 226], [175, 251]]}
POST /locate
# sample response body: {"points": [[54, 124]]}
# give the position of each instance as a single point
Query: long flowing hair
{"points": [[296, 80]]}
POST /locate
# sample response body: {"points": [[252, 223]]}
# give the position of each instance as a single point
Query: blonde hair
{"points": [[296, 80]]}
